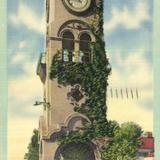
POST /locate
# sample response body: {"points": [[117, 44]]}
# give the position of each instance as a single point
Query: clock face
{"points": [[78, 5]]}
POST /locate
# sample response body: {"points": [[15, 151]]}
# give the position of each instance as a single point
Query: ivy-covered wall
{"points": [[92, 77]]}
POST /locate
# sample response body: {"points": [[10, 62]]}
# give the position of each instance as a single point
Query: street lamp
{"points": [[46, 104]]}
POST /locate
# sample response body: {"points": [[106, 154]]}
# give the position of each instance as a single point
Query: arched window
{"points": [[67, 46], [84, 47]]}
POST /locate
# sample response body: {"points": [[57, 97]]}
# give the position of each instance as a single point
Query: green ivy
{"points": [[93, 80]]}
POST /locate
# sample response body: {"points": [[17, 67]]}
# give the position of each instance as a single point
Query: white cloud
{"points": [[22, 44], [134, 71], [27, 17], [22, 86], [129, 110], [18, 58], [21, 90], [137, 71], [129, 19]]}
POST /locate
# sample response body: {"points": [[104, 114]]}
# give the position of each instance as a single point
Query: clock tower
{"points": [[64, 70]]}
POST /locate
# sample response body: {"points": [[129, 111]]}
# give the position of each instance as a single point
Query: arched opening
{"points": [[75, 151], [67, 46], [76, 123], [84, 47]]}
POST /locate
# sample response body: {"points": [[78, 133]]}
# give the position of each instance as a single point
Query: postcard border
{"points": [[4, 83], [156, 70], [3, 80]]}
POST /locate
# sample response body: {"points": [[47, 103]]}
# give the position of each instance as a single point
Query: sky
{"points": [[128, 37]]}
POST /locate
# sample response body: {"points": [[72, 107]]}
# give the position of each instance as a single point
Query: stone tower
{"points": [[68, 35]]}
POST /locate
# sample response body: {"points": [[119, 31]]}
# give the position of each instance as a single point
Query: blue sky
{"points": [[128, 36]]}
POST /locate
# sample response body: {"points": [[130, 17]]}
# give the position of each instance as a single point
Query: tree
{"points": [[33, 147], [112, 127], [124, 143]]}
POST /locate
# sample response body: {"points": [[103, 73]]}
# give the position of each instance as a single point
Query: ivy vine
{"points": [[92, 77]]}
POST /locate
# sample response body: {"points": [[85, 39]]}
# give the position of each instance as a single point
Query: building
{"points": [[147, 147], [68, 36]]}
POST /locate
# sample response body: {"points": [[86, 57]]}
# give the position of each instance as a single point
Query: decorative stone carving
{"points": [[74, 25], [77, 96]]}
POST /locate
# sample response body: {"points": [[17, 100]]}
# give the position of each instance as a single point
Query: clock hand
{"points": [[75, 1]]}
